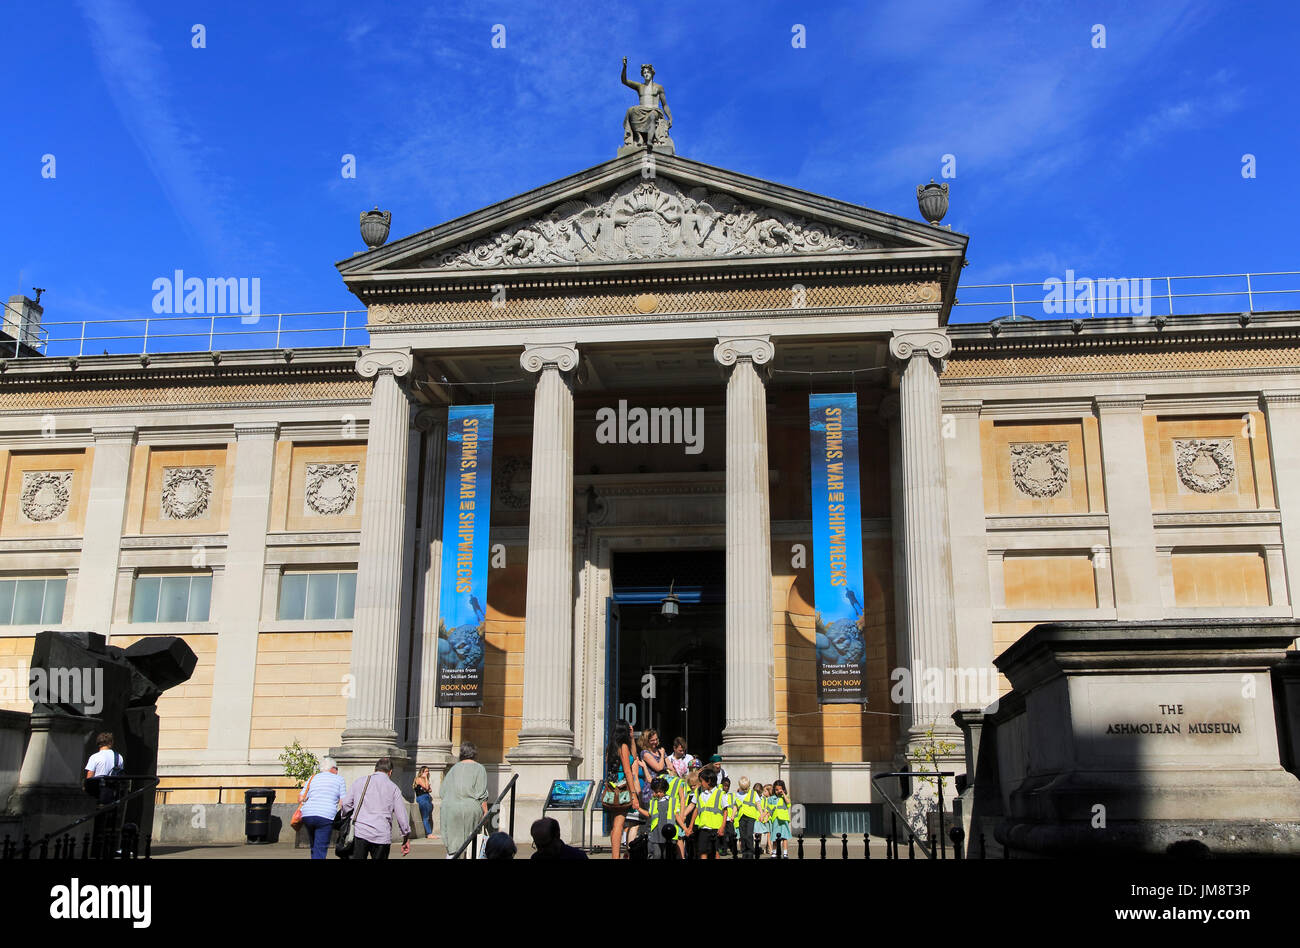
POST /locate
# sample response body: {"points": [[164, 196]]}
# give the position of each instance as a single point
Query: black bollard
{"points": [[801, 845], [866, 842], [844, 846], [911, 850], [85, 845], [957, 835], [6, 848], [27, 846], [823, 846]]}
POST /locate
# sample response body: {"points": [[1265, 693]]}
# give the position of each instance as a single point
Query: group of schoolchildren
{"points": [[692, 812]]}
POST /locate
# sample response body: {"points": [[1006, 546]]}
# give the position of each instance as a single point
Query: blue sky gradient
{"points": [[225, 161]]}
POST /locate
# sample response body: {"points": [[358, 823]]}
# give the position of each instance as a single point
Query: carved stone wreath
{"points": [[186, 492], [515, 483], [1040, 469], [45, 495], [331, 488], [1205, 465]]}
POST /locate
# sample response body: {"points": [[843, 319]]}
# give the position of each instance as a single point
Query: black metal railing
{"points": [[914, 840], [112, 836], [494, 809]]}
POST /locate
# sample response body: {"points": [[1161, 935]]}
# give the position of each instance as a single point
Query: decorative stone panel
{"points": [[186, 493], [45, 496], [1205, 465], [331, 489], [1040, 469]]}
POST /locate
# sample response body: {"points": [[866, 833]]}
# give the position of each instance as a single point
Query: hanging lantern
{"points": [[671, 604]]}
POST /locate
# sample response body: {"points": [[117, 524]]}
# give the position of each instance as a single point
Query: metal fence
{"points": [[1071, 294], [156, 334]]}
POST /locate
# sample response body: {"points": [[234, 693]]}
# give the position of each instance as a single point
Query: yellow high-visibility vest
{"points": [[710, 803], [669, 811], [749, 805], [779, 809]]}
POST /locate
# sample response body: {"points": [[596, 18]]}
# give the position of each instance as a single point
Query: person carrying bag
{"points": [[348, 827]]}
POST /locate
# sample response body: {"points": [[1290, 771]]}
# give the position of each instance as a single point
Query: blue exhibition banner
{"points": [[837, 549], [466, 514]]}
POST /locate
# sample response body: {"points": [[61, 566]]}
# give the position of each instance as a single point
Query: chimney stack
{"points": [[22, 320]]}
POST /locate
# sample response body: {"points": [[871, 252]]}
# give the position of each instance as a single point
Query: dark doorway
{"points": [[670, 674]]}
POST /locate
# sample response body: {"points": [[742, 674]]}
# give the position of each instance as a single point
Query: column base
{"points": [[751, 753], [361, 748], [537, 764]]}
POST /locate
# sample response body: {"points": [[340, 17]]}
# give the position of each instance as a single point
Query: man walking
{"points": [[377, 800]]}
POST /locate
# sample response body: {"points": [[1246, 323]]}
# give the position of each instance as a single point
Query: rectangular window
{"points": [[317, 595], [184, 598], [32, 601]]}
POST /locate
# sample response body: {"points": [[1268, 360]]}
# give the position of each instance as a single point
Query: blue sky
{"points": [[225, 160]]}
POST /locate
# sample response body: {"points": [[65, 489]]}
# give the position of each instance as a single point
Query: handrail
{"points": [[494, 808], [95, 814], [929, 854]]}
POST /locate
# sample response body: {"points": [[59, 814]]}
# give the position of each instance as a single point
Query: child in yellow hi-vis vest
{"points": [[778, 807], [708, 816], [747, 806], [662, 816], [727, 839]]}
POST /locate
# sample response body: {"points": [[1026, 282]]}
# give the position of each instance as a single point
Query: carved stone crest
{"points": [[186, 492], [1040, 469], [1205, 465], [331, 488], [652, 219], [516, 482], [45, 495]]}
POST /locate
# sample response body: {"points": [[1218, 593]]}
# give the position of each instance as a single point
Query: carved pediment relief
{"points": [[650, 220]]}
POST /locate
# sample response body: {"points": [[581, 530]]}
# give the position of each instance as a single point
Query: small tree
{"points": [[927, 754], [299, 763]]}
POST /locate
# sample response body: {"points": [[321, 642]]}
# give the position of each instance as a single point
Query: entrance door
{"points": [[670, 673]]}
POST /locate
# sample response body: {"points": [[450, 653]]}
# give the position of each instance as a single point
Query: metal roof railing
{"points": [[210, 333], [1074, 295]]}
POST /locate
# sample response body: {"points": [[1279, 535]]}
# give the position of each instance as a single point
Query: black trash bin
{"points": [[257, 814]]}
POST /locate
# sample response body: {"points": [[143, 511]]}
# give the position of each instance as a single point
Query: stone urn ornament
{"points": [[932, 199], [374, 227]]}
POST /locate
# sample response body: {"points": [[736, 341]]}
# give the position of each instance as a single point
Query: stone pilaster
{"points": [[433, 737], [749, 741], [546, 751], [1128, 507], [1282, 413], [238, 609], [371, 730], [927, 546], [972, 605], [101, 542]]}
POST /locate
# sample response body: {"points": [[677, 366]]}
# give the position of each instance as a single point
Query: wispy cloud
{"points": [[135, 73]]}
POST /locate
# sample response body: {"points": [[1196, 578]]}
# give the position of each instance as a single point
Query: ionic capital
{"points": [[925, 342], [373, 361], [730, 349], [563, 355]]}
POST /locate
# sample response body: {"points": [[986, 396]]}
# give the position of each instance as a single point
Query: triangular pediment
{"points": [[628, 212]]}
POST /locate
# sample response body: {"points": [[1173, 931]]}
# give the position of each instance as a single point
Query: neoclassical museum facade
{"points": [[283, 510]]}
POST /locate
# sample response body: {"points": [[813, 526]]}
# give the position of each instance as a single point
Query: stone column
{"points": [[927, 547], [238, 593], [546, 751], [1282, 411], [749, 741], [101, 542], [1128, 507], [371, 730], [433, 739]]}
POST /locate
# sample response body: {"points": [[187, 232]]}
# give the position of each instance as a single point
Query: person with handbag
{"points": [[318, 804], [372, 803], [620, 783], [423, 791]]}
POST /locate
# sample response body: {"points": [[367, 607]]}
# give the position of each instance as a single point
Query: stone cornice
{"points": [[257, 431], [1120, 402], [563, 356], [1280, 397], [962, 406], [731, 349], [123, 433]]}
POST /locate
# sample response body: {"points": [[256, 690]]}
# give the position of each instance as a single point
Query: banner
{"points": [[837, 549], [466, 514]]}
